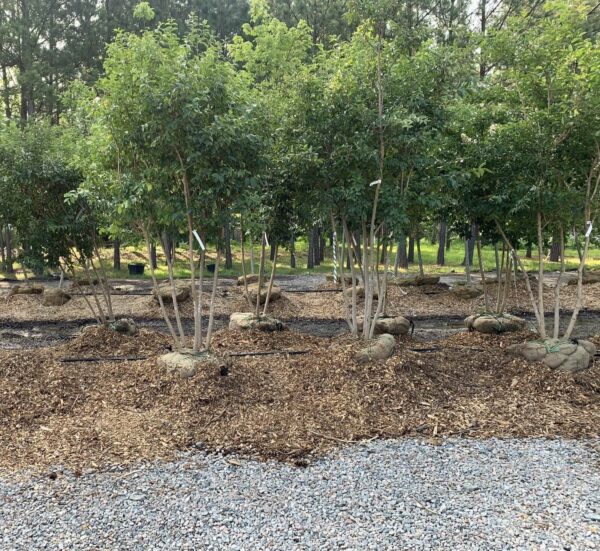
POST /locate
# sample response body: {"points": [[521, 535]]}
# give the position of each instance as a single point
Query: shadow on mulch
{"points": [[92, 414]]}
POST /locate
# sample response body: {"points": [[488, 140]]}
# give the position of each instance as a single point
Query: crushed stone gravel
{"points": [[399, 494]]}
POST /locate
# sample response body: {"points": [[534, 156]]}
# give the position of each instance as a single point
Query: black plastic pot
{"points": [[136, 269]]}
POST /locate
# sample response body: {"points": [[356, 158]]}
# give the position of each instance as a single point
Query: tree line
{"points": [[375, 120]]}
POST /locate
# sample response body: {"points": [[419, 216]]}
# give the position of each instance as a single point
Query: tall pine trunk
{"points": [[310, 260], [411, 250], [316, 246], [322, 245], [117, 255], [441, 257], [470, 248], [401, 258], [420, 257], [555, 249], [153, 260], [293, 251], [9, 251], [529, 251]]}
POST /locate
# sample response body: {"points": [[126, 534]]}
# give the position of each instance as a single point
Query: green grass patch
{"points": [[453, 264]]}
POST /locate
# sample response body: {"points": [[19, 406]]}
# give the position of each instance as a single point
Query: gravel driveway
{"points": [[406, 494]]}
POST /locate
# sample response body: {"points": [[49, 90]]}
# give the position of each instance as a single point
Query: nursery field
{"points": [[300, 275], [454, 257], [88, 397], [454, 260]]}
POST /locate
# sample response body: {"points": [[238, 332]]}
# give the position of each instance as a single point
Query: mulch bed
{"points": [[292, 408], [431, 300]]}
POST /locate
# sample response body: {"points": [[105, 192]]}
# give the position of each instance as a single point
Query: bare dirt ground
{"points": [[289, 407]]}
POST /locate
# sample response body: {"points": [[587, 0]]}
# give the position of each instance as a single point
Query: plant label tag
{"points": [[266, 239], [375, 183], [589, 230], [199, 240]]}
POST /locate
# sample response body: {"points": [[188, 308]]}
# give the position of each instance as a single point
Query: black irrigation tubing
{"points": [[108, 359], [269, 353], [311, 290]]}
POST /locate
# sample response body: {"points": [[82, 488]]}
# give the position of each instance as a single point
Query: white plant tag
{"points": [[266, 239], [375, 183], [589, 230], [199, 240]]}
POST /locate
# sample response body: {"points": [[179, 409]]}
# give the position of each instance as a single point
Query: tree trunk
{"points": [[293, 251], [529, 251], [2, 253], [243, 249], [542, 327], [470, 248], [149, 247], [420, 257], [468, 261], [441, 257], [310, 260], [26, 63], [251, 245], [555, 250], [271, 280], [213, 295], [448, 241], [117, 255], [6, 93], [498, 266], [578, 244], [322, 245], [561, 274], [482, 274], [401, 257], [166, 243], [227, 239], [316, 239], [261, 271], [411, 250], [153, 261], [358, 251], [9, 251], [272, 253]]}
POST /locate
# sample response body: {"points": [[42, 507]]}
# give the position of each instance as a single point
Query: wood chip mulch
{"points": [[90, 415]]}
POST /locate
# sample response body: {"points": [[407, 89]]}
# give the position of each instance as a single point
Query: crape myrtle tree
{"points": [[358, 114], [271, 55], [182, 146], [416, 86], [34, 178], [486, 175], [37, 175], [339, 108], [542, 152], [423, 83], [338, 111], [318, 131]]}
